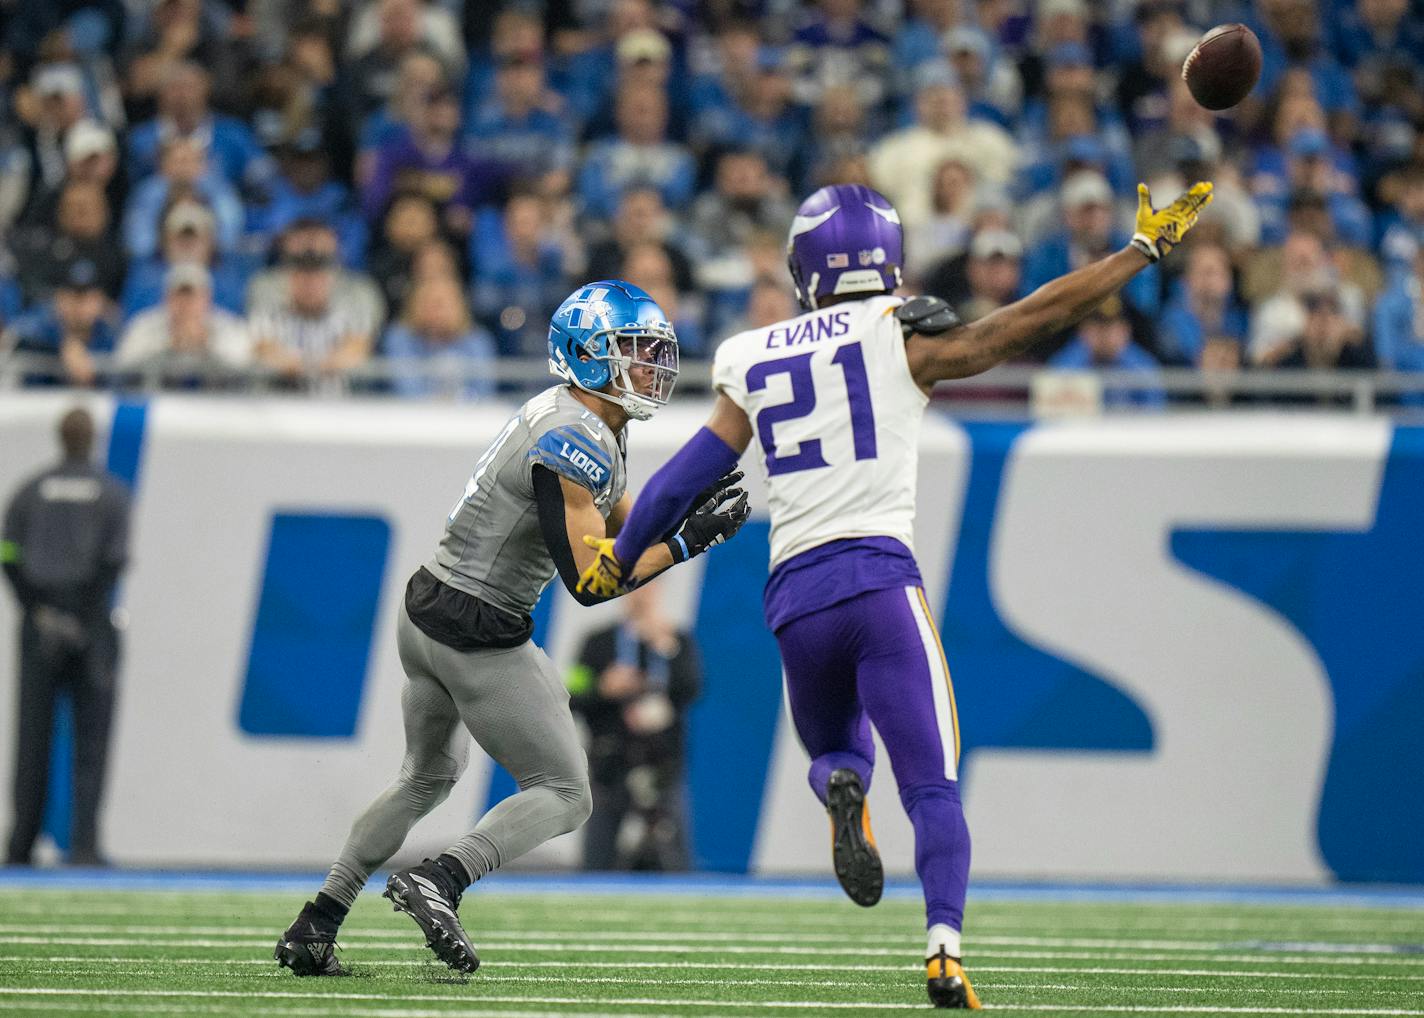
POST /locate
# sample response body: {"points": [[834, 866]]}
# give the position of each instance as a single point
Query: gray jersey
{"points": [[493, 547]]}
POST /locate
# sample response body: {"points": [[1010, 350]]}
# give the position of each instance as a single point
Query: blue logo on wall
{"points": [[316, 615]]}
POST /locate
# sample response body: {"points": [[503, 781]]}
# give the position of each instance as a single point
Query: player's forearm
{"points": [[1053, 307], [668, 495], [655, 560]]}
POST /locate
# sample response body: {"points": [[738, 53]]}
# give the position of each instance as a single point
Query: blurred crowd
{"points": [[298, 186]]}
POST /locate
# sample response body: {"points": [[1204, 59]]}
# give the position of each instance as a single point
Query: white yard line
{"points": [[822, 1005], [657, 940], [725, 966], [358, 943]]}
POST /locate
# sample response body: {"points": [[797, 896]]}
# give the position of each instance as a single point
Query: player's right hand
{"points": [[604, 576], [1158, 230]]}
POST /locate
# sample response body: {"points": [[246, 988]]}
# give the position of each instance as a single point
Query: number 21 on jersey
{"points": [[851, 361]]}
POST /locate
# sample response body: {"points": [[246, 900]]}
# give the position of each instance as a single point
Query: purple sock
{"points": [[941, 849], [822, 766]]}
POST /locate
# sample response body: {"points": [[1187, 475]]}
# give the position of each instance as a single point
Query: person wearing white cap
{"points": [[903, 163], [91, 156], [188, 236], [60, 103], [1090, 233], [186, 332]]}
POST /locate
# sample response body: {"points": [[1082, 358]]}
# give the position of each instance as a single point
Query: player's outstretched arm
{"points": [[663, 505], [566, 513], [1053, 307]]}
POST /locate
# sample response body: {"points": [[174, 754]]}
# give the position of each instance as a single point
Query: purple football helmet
{"points": [[845, 239]]}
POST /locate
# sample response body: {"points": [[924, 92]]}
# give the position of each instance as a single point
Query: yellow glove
{"points": [[604, 577], [1158, 230]]}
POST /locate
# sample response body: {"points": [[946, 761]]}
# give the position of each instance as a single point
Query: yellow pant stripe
{"points": [[953, 709]]}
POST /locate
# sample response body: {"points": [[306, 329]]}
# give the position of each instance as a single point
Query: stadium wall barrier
{"points": [[1183, 647]]}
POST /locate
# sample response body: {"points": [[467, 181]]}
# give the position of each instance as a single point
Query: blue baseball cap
{"points": [[1069, 54], [1309, 141]]}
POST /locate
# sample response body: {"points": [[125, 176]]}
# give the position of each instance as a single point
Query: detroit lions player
{"points": [[834, 399], [554, 472]]}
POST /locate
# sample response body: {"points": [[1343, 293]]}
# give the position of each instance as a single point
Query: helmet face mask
{"points": [[611, 339], [845, 239]]}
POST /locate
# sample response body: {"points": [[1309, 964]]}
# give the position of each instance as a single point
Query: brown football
{"points": [[1223, 67]]}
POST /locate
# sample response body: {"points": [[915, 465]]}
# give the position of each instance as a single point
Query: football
{"points": [[1223, 67]]}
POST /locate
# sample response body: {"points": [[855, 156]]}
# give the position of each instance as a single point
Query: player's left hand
{"points": [[604, 576], [716, 520], [1158, 230]]}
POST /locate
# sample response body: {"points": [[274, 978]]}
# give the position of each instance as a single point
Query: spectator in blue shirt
{"points": [[519, 276], [1403, 234], [1104, 340], [755, 110], [1290, 35], [435, 348], [73, 325], [726, 71], [518, 123], [1089, 235], [419, 75], [1203, 305], [304, 189], [1372, 30], [645, 59], [188, 236], [183, 113], [639, 154], [1399, 321], [921, 35], [992, 86], [182, 173], [1310, 167]]}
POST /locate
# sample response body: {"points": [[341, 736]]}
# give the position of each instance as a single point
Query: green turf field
{"points": [[67, 952]]}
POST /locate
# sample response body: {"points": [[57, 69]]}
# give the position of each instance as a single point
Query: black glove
{"points": [[726, 483], [714, 521]]}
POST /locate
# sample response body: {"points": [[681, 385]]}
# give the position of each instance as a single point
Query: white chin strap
{"points": [[640, 408]]}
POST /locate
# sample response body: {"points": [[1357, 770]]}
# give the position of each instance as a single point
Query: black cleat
{"points": [[853, 851], [948, 984], [308, 949], [413, 892]]}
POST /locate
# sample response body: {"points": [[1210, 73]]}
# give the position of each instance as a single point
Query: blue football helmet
{"points": [[605, 331]]}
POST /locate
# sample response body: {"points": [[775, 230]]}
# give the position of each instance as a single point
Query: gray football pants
{"points": [[517, 709]]}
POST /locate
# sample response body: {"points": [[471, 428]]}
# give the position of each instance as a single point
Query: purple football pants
{"points": [[876, 659]]}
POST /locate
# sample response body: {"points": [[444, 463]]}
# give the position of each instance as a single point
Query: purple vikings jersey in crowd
{"points": [[836, 418]]}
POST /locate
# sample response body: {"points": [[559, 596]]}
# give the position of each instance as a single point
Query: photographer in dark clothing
{"points": [[64, 543], [633, 685]]}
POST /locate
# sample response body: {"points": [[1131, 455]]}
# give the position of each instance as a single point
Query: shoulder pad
{"points": [[571, 452], [929, 316]]}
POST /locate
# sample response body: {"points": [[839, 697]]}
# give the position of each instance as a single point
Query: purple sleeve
{"points": [[378, 189], [669, 493]]}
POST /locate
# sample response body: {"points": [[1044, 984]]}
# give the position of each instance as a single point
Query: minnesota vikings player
{"points": [[834, 399], [555, 472]]}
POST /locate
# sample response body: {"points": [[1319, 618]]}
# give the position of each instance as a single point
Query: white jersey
{"points": [[836, 416]]}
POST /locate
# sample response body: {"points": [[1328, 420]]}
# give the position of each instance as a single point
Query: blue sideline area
{"points": [[723, 885]]}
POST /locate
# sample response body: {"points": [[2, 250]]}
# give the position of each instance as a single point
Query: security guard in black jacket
{"points": [[64, 543]]}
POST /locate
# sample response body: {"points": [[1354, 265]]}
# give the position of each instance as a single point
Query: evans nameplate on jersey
{"points": [[808, 330]]}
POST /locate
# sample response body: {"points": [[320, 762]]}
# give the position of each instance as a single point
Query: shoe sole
{"points": [[853, 852], [446, 945], [292, 955]]}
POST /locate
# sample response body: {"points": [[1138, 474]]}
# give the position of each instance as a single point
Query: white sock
{"points": [[942, 936]]}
